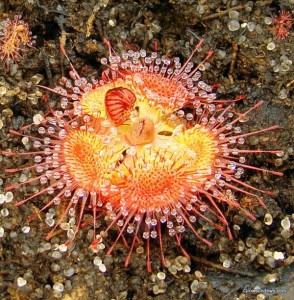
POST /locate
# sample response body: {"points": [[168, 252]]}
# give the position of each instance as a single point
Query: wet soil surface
{"points": [[249, 59]]}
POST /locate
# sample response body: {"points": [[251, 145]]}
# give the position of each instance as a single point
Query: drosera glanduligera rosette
{"points": [[147, 146]]}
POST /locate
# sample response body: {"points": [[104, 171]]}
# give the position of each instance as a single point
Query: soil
{"points": [[249, 59]]}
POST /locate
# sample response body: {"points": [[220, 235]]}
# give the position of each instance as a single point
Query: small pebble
{"points": [[173, 269], [2, 198], [268, 219], [198, 274], [233, 14], [234, 25], [21, 281], [271, 46], [278, 255], [49, 222], [186, 269], [194, 286], [22, 178], [268, 20], [38, 119], [97, 261], [286, 233], [65, 226], [260, 297], [227, 263], [55, 267], [221, 54], [200, 9], [69, 272], [56, 254], [286, 224], [251, 26], [62, 248], [272, 277], [47, 246], [155, 289], [4, 212], [267, 253], [58, 287], [25, 140], [112, 22], [26, 229], [278, 162], [13, 234], [3, 90], [283, 94], [161, 275], [102, 268], [9, 197], [140, 250]]}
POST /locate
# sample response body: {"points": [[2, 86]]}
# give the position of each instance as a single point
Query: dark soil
{"points": [[244, 63]]}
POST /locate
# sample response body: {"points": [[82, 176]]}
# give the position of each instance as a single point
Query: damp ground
{"points": [[249, 59]]}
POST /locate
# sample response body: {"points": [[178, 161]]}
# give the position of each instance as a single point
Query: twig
{"points": [[237, 7], [222, 13], [61, 20], [139, 15], [47, 65], [220, 267], [230, 293], [47, 10], [4, 139], [288, 85], [233, 62]]}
